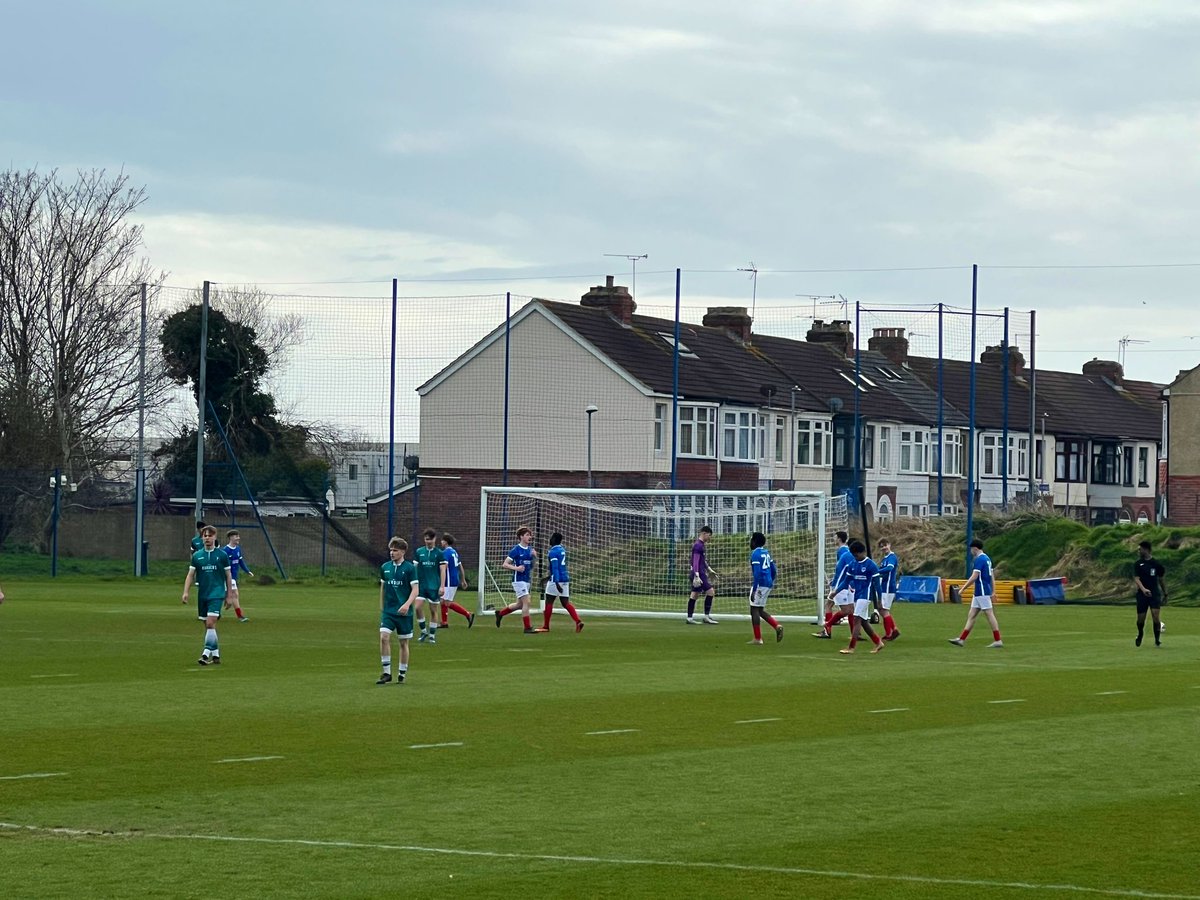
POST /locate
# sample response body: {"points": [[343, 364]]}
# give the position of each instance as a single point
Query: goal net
{"points": [[629, 551]]}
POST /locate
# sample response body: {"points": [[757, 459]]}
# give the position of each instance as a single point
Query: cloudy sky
{"points": [[872, 149]]}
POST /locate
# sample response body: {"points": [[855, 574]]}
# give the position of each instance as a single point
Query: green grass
{"points": [[1087, 782]]}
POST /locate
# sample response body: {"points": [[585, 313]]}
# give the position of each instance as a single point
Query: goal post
{"points": [[629, 550]]}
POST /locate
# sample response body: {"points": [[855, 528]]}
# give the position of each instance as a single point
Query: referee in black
{"points": [[1151, 592]]}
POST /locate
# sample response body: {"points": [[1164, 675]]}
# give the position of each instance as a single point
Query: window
{"points": [[903, 510], [780, 438], [1068, 461], [697, 431], [1127, 466], [352, 472], [990, 459], [660, 425], [739, 436], [1039, 467], [814, 442], [763, 452], [868, 447], [1106, 457], [843, 442], [683, 350], [914, 450], [952, 452], [1018, 457], [885, 447], [1143, 467]]}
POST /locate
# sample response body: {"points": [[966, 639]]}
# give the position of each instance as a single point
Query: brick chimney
{"points": [[892, 343], [1105, 368], [836, 333], [994, 357], [734, 319], [614, 299]]}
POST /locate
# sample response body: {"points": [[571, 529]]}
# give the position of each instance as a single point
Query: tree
{"points": [[69, 319], [274, 455]]}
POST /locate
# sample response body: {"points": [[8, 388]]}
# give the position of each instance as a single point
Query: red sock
{"points": [[548, 613], [771, 621], [458, 608], [853, 641], [525, 619], [504, 612], [876, 640], [445, 614], [570, 608], [757, 632], [963, 636], [238, 610], [889, 624], [995, 635]]}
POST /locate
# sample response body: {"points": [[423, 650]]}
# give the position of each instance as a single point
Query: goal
{"points": [[629, 551]]}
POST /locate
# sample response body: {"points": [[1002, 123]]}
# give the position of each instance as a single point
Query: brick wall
{"points": [[1183, 499]]}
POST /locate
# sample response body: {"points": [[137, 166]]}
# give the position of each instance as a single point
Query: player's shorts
{"points": [[553, 591], [704, 588], [393, 622], [844, 597], [450, 592], [758, 596], [206, 608], [981, 602], [862, 609], [429, 593], [521, 589], [1145, 603], [886, 600]]}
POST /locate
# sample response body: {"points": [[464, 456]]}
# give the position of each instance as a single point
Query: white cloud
{"points": [[193, 247]]}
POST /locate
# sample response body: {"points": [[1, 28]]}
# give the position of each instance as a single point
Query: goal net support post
{"points": [[629, 552]]}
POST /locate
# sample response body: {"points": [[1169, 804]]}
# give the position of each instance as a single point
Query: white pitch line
{"points": [[1110, 693], [756, 721], [32, 775], [614, 731], [431, 746], [608, 861], [892, 710], [63, 675], [1006, 701], [249, 759], [524, 649]]}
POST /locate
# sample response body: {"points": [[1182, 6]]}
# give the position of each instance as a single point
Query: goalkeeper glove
{"points": [[697, 581]]}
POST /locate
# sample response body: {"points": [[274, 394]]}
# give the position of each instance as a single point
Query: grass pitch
{"points": [[637, 759]]}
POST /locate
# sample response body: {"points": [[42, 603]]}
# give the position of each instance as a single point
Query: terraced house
{"points": [[762, 412]]}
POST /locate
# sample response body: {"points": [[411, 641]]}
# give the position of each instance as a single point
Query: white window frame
{"points": [[914, 451], [989, 455], [697, 431], [815, 435], [1143, 466], [885, 448], [660, 426], [739, 435], [952, 452], [780, 440]]}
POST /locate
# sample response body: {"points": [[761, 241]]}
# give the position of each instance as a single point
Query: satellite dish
{"points": [[835, 404]]}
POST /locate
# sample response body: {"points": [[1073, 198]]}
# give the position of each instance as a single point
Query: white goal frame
{"points": [[818, 502]]}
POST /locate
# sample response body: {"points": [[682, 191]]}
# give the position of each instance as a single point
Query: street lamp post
{"points": [[591, 411], [792, 455]]}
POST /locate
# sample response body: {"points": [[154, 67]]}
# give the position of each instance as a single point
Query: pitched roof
{"points": [[717, 366]]}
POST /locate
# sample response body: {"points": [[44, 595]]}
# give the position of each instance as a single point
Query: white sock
{"points": [[403, 667], [387, 665]]}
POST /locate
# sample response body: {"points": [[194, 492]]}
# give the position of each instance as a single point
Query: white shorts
{"points": [[758, 596], [449, 592], [553, 591], [981, 602], [844, 597], [886, 600], [521, 589], [862, 609], [403, 637]]}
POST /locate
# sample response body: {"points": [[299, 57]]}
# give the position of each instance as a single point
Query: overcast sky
{"points": [[325, 148]]}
